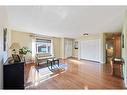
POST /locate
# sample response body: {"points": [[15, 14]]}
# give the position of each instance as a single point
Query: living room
{"points": [[80, 51]]}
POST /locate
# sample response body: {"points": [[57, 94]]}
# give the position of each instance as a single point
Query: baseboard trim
{"points": [[125, 85], [91, 60]]}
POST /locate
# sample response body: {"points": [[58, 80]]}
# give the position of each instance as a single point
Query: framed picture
{"points": [[16, 58], [122, 40], [4, 39]]}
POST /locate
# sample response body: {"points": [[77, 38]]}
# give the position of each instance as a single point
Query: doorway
{"points": [[113, 46]]}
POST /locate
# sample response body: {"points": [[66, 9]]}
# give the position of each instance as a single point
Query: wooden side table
{"points": [[117, 67], [53, 62]]}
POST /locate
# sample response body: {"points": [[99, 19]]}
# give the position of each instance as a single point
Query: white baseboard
{"points": [[125, 85]]}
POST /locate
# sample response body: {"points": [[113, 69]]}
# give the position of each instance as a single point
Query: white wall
{"points": [[124, 50], [3, 24], [1, 59]]}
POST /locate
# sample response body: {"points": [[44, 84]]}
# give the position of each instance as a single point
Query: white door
{"points": [[89, 50]]}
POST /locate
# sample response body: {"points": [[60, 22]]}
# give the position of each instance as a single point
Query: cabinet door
{"points": [[14, 76]]}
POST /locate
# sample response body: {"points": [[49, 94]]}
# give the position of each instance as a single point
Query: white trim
{"points": [[52, 47]]}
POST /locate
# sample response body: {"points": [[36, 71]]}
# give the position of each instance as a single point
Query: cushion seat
{"points": [[42, 58]]}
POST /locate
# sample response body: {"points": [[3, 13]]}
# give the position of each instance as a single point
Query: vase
{"points": [[22, 56]]}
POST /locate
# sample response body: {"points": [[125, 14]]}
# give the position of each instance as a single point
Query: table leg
{"points": [[47, 63], [51, 64], [58, 63], [38, 64]]}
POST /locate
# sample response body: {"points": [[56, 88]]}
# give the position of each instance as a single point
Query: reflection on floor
{"points": [[73, 74], [38, 74]]}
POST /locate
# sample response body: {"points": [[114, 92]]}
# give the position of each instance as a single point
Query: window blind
{"points": [[43, 40]]}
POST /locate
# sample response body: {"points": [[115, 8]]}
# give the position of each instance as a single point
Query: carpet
{"points": [[42, 73], [43, 68], [45, 72]]}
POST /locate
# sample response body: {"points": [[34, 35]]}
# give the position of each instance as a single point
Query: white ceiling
{"points": [[66, 21]]}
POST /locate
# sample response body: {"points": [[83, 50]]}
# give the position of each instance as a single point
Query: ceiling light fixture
{"points": [[85, 34]]}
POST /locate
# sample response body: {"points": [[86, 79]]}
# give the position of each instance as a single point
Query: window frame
{"points": [[43, 41]]}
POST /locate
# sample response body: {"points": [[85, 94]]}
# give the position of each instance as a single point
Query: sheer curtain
{"points": [[33, 47], [56, 47], [68, 46]]}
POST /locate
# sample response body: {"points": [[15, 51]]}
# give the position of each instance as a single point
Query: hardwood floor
{"points": [[78, 75]]}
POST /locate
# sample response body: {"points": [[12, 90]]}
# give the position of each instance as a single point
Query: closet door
{"points": [[68, 48], [90, 50]]}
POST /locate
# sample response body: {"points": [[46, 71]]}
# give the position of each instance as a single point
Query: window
{"points": [[43, 46]]}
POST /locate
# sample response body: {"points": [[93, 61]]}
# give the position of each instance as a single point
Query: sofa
{"points": [[42, 58]]}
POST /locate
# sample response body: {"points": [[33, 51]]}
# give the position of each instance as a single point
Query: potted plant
{"points": [[23, 51]]}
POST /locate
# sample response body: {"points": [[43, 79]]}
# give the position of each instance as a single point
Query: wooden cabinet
{"points": [[113, 46], [117, 68], [117, 46], [13, 76]]}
